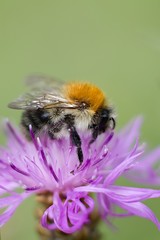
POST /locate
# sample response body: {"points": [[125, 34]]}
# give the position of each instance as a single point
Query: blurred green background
{"points": [[114, 44]]}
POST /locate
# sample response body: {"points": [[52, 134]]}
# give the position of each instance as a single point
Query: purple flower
{"points": [[52, 165]]}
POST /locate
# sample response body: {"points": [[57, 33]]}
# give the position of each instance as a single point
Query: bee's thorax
{"points": [[85, 93]]}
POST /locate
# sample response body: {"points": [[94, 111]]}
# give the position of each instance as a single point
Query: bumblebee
{"points": [[59, 108]]}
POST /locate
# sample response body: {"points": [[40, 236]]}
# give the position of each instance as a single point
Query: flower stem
{"points": [[84, 234]]}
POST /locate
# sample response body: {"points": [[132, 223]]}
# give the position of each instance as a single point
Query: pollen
{"points": [[86, 92]]}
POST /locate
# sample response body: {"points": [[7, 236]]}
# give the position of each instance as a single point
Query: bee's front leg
{"points": [[77, 142], [75, 138], [95, 133]]}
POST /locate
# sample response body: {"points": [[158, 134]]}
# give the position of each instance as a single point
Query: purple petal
{"points": [[131, 194], [125, 194], [19, 170], [117, 171], [11, 203], [146, 171], [130, 133], [128, 199], [9, 186], [14, 134], [141, 210], [68, 216]]}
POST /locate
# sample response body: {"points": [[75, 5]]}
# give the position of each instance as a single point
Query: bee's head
{"points": [[107, 119]]}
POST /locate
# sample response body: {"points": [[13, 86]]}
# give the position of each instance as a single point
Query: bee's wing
{"points": [[45, 93], [38, 100], [39, 82]]}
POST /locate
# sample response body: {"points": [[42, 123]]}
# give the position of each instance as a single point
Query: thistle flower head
{"points": [[52, 165]]}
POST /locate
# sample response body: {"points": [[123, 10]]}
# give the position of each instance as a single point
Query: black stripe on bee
{"points": [[37, 118]]}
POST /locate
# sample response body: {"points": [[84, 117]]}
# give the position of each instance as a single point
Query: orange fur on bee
{"points": [[86, 92]]}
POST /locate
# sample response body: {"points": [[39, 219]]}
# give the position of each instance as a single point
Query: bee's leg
{"points": [[95, 133], [113, 123], [77, 142], [69, 120]]}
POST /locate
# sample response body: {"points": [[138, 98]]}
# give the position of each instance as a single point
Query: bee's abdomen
{"points": [[37, 118]]}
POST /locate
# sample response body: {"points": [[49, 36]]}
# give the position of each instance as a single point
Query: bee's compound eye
{"points": [[84, 105]]}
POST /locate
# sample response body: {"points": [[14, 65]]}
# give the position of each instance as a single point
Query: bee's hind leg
{"points": [[75, 138]]}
